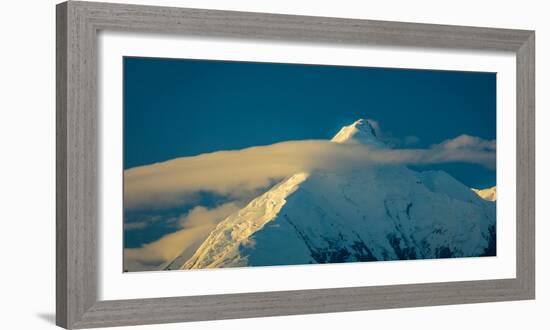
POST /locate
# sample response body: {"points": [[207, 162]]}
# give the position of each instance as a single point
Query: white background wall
{"points": [[27, 166]]}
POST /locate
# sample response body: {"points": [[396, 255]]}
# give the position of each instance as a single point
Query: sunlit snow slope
{"points": [[489, 194], [379, 212]]}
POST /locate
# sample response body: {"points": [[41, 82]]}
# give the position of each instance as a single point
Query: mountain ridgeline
{"points": [[381, 212]]}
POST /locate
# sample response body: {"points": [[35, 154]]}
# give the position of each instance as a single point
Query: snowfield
{"points": [[379, 212]]}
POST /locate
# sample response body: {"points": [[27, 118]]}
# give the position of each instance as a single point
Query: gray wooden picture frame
{"points": [[78, 24]]}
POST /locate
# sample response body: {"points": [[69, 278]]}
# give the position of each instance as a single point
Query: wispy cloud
{"points": [[465, 141], [240, 173], [388, 138], [141, 222], [194, 228]]}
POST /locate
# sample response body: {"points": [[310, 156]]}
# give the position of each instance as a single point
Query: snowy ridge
{"points": [[488, 194], [377, 213], [360, 131], [238, 227]]}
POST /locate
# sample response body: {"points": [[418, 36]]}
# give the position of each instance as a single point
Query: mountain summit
{"points": [[361, 131], [385, 212]]}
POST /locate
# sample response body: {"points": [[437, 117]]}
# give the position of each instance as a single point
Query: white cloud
{"points": [[142, 222], [242, 173], [388, 138], [465, 141], [239, 176], [196, 225], [135, 225], [375, 125]]}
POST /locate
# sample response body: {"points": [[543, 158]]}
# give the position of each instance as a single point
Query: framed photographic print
{"points": [[216, 165]]}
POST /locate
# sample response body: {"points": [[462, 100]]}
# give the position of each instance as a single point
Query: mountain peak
{"points": [[362, 131], [390, 213], [365, 125]]}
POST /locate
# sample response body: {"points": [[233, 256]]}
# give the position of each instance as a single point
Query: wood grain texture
{"points": [[525, 167], [61, 166], [77, 156], [77, 190]]}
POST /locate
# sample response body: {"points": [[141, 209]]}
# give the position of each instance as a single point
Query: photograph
{"points": [[238, 164], [277, 164]]}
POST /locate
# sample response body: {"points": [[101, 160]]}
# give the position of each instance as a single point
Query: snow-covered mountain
{"points": [[488, 194], [381, 212]]}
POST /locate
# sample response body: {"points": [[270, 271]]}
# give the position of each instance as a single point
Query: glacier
{"points": [[374, 213]]}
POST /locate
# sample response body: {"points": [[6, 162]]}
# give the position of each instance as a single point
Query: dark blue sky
{"points": [[175, 107]]}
